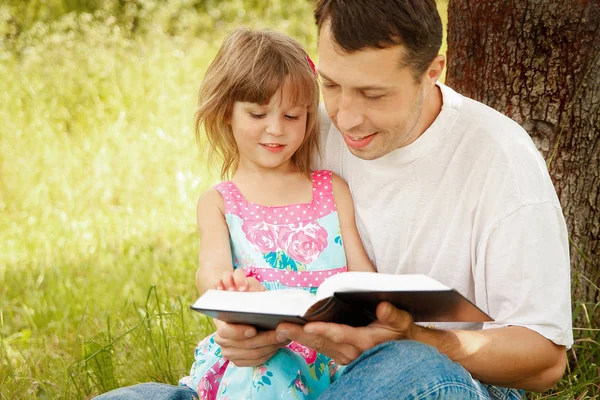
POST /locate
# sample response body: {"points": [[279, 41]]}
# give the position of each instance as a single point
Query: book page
{"points": [[373, 281], [283, 302]]}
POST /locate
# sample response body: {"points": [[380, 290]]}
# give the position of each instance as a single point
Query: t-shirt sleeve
{"points": [[522, 272]]}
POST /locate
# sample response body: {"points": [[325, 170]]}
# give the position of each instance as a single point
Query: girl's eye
{"points": [[257, 116], [292, 117], [377, 97]]}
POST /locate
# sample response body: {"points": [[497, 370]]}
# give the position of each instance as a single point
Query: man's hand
{"points": [[343, 343], [244, 346]]}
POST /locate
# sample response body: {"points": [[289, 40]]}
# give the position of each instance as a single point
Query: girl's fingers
{"points": [[254, 285], [228, 282], [239, 279]]}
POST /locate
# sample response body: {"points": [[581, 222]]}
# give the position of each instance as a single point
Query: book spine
{"points": [[339, 311]]}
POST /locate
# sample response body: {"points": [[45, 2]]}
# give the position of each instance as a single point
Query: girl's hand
{"points": [[237, 281]]}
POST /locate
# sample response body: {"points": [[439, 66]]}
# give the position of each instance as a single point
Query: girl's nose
{"points": [[274, 126]]}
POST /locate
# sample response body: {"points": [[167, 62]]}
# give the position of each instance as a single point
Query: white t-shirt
{"points": [[471, 204]]}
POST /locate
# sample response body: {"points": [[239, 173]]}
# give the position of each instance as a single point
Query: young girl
{"points": [[276, 224]]}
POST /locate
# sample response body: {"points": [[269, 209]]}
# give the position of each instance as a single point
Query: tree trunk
{"points": [[538, 61]]}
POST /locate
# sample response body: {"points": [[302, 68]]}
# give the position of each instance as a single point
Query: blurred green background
{"points": [[99, 177]]}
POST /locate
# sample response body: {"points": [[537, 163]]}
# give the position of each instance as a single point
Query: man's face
{"points": [[374, 103]]}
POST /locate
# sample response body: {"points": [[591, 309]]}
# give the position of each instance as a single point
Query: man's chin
{"points": [[368, 153]]}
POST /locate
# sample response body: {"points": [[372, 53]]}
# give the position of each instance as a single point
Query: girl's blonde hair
{"points": [[251, 66]]}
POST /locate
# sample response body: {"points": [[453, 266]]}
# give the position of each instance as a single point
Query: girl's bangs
{"points": [[262, 84], [303, 88]]}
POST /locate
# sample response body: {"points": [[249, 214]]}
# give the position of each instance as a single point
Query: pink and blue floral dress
{"points": [[294, 246]]}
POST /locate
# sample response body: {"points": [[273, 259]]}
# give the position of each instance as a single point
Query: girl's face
{"points": [[268, 135]]}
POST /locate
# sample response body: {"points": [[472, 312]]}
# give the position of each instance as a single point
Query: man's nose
{"points": [[349, 115]]}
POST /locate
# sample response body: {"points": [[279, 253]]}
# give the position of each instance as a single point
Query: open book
{"points": [[348, 298]]}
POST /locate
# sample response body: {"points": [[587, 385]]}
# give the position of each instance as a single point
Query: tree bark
{"points": [[538, 61]]}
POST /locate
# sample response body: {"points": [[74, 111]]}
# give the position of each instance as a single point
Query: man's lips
{"points": [[358, 142]]}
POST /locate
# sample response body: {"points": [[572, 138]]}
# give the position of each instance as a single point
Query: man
{"points": [[443, 186]]}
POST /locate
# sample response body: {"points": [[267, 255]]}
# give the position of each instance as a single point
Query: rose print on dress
{"points": [[318, 367], [303, 242], [287, 246], [208, 387], [262, 235], [307, 353], [280, 260], [262, 377], [300, 384]]}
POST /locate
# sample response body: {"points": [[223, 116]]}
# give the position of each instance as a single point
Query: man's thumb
{"points": [[386, 312]]}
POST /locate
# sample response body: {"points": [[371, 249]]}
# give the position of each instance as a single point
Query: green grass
{"points": [[99, 175]]}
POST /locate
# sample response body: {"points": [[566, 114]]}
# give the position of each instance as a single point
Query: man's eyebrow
{"points": [[362, 88]]}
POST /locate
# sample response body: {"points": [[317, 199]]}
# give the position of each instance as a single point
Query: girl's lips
{"points": [[358, 144], [273, 148]]}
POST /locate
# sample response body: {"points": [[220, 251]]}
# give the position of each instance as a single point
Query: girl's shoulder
{"points": [[210, 199]]}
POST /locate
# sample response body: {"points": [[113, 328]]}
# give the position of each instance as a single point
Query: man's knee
{"points": [[412, 363], [405, 369], [404, 354]]}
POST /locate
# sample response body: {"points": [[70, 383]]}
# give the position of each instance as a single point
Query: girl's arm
{"points": [[215, 251], [356, 257], [216, 269]]}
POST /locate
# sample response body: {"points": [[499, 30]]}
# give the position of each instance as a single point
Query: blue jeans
{"points": [[150, 391], [391, 370]]}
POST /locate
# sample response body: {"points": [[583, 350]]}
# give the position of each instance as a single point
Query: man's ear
{"points": [[435, 69]]}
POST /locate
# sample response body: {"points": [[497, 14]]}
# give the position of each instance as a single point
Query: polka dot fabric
{"points": [[292, 278], [321, 205]]}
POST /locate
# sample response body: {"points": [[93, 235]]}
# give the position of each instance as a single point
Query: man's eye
{"points": [[373, 97]]}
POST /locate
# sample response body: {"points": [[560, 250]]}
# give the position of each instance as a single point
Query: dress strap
{"points": [[322, 183], [233, 199], [322, 186], [321, 205]]}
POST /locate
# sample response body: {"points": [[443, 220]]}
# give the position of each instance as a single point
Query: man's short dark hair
{"points": [[361, 24]]}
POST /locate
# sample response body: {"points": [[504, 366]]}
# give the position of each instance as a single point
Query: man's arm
{"points": [[512, 357], [522, 276]]}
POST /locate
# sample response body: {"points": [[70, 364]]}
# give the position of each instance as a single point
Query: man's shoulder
{"points": [[478, 116], [502, 148], [488, 129]]}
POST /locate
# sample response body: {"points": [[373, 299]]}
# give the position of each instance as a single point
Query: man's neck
{"points": [[432, 106]]}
